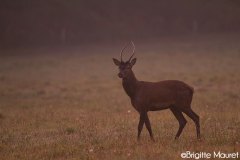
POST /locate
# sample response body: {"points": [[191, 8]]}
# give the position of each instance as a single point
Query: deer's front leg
{"points": [[148, 125], [141, 122]]}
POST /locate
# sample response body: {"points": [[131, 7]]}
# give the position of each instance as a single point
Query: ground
{"points": [[68, 103]]}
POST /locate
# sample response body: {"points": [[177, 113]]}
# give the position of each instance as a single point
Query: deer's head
{"points": [[125, 68]]}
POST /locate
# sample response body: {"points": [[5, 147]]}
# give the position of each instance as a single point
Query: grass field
{"points": [[69, 103]]}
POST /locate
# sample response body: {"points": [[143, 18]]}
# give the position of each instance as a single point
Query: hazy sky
{"points": [[32, 22]]}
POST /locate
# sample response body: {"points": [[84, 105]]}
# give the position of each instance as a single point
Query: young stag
{"points": [[154, 96]]}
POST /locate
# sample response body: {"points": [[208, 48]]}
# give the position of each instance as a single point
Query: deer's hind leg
{"points": [[181, 120], [195, 118]]}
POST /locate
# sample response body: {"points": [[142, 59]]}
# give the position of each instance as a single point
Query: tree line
{"points": [[32, 22]]}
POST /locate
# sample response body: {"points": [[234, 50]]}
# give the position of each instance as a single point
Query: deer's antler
{"points": [[132, 51], [126, 47], [123, 50]]}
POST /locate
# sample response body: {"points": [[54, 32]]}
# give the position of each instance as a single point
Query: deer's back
{"points": [[165, 93]]}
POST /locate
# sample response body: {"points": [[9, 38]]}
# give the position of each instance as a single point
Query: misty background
{"points": [[60, 94], [63, 22]]}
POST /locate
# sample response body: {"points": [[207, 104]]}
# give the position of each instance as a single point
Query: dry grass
{"points": [[69, 104]]}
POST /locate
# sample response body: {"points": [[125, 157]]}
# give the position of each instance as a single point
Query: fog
{"points": [[62, 22]]}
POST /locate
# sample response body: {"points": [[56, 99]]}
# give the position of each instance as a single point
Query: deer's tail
{"points": [[191, 89]]}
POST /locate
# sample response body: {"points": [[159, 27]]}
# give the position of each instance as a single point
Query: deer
{"points": [[155, 96]]}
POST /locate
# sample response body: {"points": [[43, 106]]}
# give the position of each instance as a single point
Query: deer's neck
{"points": [[130, 85]]}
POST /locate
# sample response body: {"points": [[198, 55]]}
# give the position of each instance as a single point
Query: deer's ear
{"points": [[133, 61], [116, 62]]}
